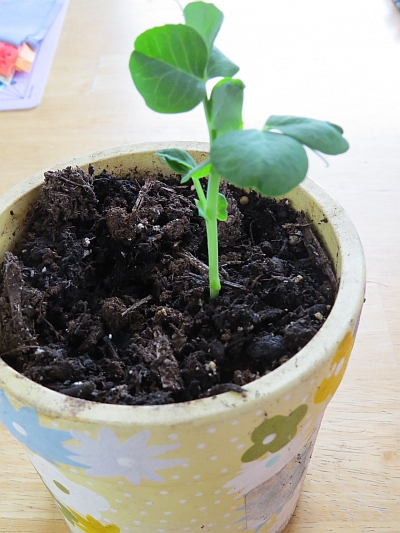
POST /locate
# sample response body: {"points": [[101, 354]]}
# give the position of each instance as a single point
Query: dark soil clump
{"points": [[106, 297]]}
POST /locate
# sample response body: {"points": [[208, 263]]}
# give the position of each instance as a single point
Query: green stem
{"points": [[200, 193], [211, 208], [212, 233]]}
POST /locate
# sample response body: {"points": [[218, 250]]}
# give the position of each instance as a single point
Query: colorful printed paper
{"points": [[25, 58], [27, 21], [24, 89], [8, 58]]}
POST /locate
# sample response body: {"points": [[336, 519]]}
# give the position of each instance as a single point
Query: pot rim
{"points": [[316, 353]]}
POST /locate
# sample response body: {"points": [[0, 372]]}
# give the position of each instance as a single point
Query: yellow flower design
{"points": [[90, 525], [337, 369]]}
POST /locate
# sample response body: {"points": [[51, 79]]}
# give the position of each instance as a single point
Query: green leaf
{"points": [[168, 68], [178, 160], [200, 208], [270, 163], [206, 19], [226, 104], [220, 66], [316, 134], [222, 209], [201, 170]]}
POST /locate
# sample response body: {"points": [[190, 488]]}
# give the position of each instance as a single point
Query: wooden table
{"points": [[338, 61]]}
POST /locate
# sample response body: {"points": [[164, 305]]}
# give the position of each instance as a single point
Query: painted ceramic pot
{"points": [[231, 462]]}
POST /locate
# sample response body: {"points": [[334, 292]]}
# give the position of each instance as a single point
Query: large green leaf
{"points": [[316, 134], [226, 104], [220, 66], [168, 68], [206, 19], [178, 160], [269, 163]]}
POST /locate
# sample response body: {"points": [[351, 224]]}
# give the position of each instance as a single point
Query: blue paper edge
{"points": [[40, 69]]}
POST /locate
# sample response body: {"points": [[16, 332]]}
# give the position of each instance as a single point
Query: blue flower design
{"points": [[24, 425]]}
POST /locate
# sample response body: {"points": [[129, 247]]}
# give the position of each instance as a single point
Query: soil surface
{"points": [[106, 298]]}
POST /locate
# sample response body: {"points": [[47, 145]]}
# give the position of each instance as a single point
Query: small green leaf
{"points": [[222, 209], [206, 19], [200, 208], [220, 66], [270, 163], [201, 170], [168, 68], [226, 106], [178, 160], [316, 134]]}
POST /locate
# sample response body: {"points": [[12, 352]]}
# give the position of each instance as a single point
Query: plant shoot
{"points": [[170, 66]]}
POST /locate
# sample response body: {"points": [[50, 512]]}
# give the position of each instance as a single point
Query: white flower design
{"points": [[132, 459], [82, 500]]}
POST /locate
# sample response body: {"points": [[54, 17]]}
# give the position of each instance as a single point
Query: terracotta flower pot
{"points": [[229, 462]]}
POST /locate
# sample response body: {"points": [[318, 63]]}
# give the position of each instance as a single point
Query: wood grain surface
{"points": [[338, 61]]}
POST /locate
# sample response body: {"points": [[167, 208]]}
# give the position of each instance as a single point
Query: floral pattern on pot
{"points": [[24, 425], [133, 459], [66, 512], [332, 380], [267, 525], [71, 495], [277, 522], [269, 498], [108, 479], [91, 525], [88, 524], [256, 473], [274, 433]]}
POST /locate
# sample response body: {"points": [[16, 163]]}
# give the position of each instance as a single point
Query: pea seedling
{"points": [[170, 67]]}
